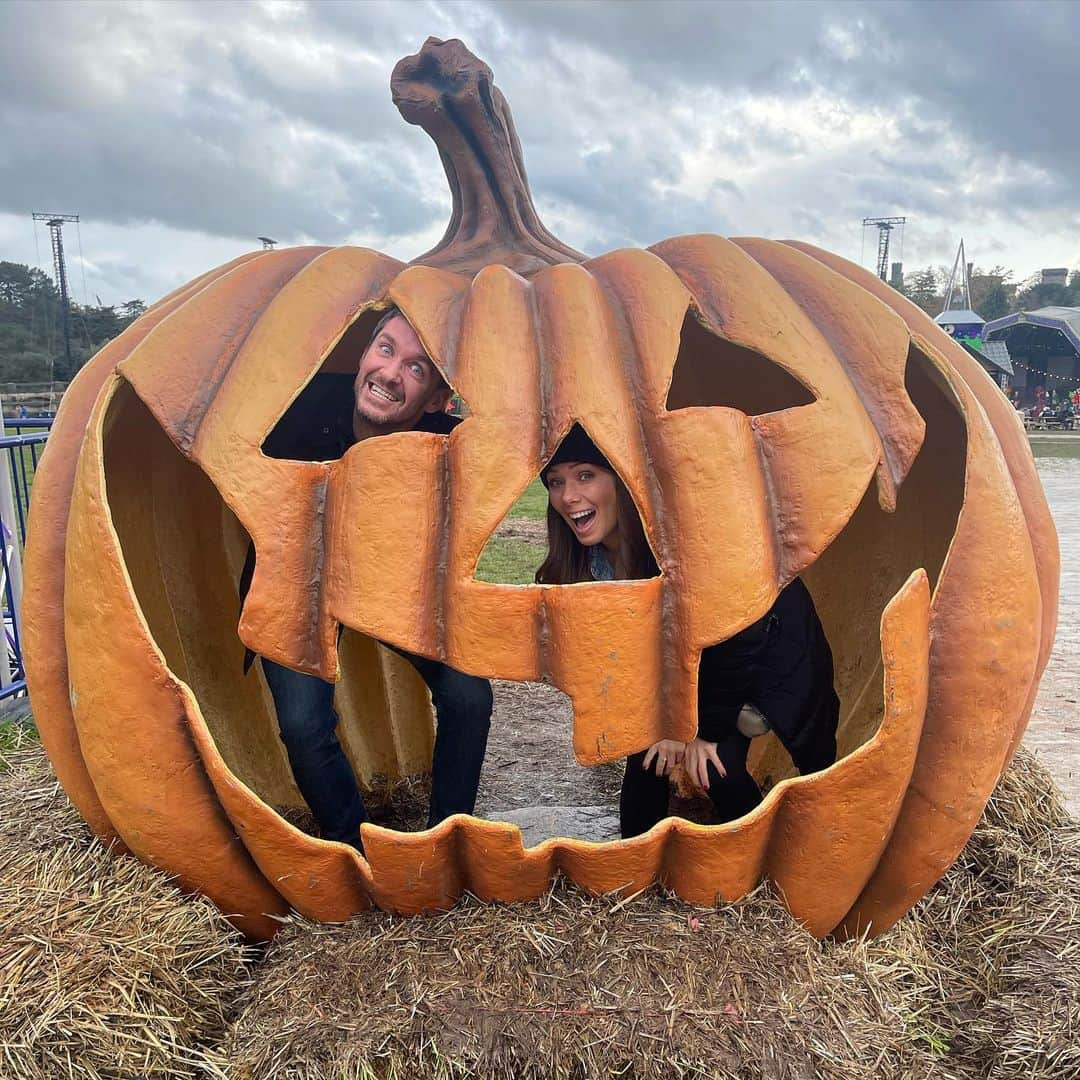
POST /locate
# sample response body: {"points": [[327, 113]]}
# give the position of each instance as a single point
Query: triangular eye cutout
{"points": [[711, 371], [576, 522], [318, 424]]}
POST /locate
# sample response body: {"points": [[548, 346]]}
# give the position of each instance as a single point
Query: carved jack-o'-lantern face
{"points": [[772, 410]]}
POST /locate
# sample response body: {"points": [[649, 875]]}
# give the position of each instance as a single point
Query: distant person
{"points": [[776, 673], [23, 414], [397, 388]]}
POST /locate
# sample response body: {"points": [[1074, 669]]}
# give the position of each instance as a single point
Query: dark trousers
{"points": [[308, 726], [644, 798]]}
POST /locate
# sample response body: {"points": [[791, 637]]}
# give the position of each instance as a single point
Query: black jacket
{"points": [[318, 425], [782, 664]]}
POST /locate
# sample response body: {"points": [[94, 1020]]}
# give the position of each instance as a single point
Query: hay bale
{"points": [[106, 969], [570, 986], [979, 981], [994, 950]]}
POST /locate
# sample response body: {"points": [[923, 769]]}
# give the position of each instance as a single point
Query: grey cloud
{"points": [[230, 119], [1002, 75]]}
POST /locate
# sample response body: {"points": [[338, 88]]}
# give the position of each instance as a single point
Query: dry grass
{"points": [[106, 971], [994, 950], [981, 980], [571, 986]]}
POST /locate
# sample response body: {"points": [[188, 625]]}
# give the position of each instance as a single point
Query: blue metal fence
{"points": [[23, 451]]}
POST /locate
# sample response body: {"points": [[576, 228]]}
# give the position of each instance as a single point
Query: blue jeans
{"points": [[307, 723]]}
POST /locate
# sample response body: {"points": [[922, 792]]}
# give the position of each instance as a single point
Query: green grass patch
{"points": [[510, 562], [16, 735], [532, 503], [506, 561]]}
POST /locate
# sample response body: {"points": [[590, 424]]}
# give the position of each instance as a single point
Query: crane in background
{"points": [[55, 223], [885, 226]]}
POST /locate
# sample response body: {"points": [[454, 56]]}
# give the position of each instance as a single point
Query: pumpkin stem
{"points": [[451, 94]]}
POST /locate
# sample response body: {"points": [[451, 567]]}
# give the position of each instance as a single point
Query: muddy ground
{"points": [[530, 776]]}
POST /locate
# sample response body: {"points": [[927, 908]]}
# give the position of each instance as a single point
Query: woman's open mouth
{"points": [[581, 521]]}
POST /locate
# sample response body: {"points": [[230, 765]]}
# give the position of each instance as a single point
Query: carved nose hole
{"points": [[584, 526], [712, 371]]}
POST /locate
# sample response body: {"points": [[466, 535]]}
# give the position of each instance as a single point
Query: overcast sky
{"points": [[180, 131]]}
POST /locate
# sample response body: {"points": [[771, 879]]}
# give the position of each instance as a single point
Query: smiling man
{"points": [[397, 388], [396, 385]]}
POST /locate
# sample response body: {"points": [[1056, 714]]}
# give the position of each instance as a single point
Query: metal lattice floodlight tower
{"points": [[885, 226], [56, 231]]}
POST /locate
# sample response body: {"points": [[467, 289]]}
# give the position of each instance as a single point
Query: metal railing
{"points": [[23, 451]]}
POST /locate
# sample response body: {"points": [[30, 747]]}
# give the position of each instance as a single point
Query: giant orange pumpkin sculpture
{"points": [[774, 411]]}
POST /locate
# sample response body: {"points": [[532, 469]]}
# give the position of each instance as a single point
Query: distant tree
{"points": [[922, 287], [1037, 294], [991, 292], [31, 338]]}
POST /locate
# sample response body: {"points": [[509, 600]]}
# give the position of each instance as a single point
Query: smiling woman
{"points": [[772, 411]]}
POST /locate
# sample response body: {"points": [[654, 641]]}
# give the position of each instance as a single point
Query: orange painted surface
{"points": [[734, 504]]}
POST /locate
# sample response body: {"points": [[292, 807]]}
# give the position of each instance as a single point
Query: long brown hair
{"points": [[567, 559]]}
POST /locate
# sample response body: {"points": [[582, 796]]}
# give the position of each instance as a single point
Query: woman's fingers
{"points": [[714, 757], [667, 753], [703, 768], [698, 755]]}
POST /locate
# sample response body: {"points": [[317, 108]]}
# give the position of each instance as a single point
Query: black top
{"points": [[782, 664]]}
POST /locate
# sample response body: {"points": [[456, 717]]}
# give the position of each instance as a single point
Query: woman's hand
{"points": [[667, 752], [696, 762]]}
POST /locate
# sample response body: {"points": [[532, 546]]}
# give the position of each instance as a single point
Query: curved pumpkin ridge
{"points": [[44, 643], [807, 835], [828, 831], [321, 879], [598, 634], [704, 598], [208, 332], [820, 457], [132, 717], [1009, 432], [281, 503], [492, 458], [871, 345], [985, 619], [433, 301]]}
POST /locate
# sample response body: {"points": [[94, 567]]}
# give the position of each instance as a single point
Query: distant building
{"points": [[1045, 349], [966, 326], [958, 320], [1056, 275]]}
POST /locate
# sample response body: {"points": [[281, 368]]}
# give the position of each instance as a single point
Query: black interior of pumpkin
{"points": [[712, 371]]}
